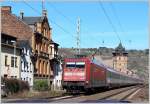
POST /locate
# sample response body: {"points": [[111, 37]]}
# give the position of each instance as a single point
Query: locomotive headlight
{"points": [[87, 82]]}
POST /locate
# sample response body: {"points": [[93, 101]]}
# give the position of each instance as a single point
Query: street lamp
{"points": [[14, 43]]}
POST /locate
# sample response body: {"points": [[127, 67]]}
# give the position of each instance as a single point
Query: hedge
{"points": [[15, 85], [40, 85]]}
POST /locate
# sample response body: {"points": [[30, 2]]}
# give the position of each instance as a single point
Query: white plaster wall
{"points": [[10, 71], [57, 81]]}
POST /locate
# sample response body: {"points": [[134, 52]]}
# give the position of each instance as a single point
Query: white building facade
{"points": [[10, 55], [27, 67], [57, 81], [56, 66]]}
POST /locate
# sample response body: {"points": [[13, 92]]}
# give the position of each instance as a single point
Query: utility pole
{"points": [[78, 36], [43, 5], [44, 12]]}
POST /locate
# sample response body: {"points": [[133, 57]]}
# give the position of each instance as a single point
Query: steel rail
{"points": [[122, 91]]}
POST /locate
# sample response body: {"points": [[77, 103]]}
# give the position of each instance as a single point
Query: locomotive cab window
{"points": [[80, 64], [75, 65], [70, 65]]}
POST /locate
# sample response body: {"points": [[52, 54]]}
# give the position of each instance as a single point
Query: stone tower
{"points": [[120, 58]]}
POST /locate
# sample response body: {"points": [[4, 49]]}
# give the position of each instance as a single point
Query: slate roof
{"points": [[52, 42], [32, 20], [120, 49]]}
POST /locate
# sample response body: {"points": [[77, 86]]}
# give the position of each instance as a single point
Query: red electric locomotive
{"points": [[81, 74], [84, 74]]}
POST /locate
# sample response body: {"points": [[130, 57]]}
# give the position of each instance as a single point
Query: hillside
{"points": [[137, 59]]}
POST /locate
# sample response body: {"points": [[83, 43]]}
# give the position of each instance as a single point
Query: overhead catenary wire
{"points": [[60, 13], [35, 10], [115, 14], [109, 20], [59, 26], [66, 17]]}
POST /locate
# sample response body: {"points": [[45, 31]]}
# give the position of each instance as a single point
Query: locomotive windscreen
{"points": [[74, 70], [70, 65], [75, 65]]}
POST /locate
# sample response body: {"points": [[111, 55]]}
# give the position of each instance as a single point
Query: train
{"points": [[86, 74]]}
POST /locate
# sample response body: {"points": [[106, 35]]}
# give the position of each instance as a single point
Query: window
{"points": [[51, 50], [40, 47], [36, 46], [70, 65], [27, 67], [26, 52], [75, 65], [5, 75], [16, 62], [22, 51], [26, 78], [21, 66], [43, 47], [12, 61], [30, 67], [6, 59], [24, 66], [80, 64]]}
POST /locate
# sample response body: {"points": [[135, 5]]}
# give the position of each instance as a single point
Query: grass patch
{"points": [[37, 94]]}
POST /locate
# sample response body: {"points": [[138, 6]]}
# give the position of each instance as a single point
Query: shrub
{"points": [[40, 85], [15, 85]]}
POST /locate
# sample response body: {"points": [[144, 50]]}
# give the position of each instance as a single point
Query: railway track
{"points": [[113, 94], [121, 95]]}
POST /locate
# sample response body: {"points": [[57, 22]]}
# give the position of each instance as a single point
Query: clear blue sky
{"points": [[95, 27]]}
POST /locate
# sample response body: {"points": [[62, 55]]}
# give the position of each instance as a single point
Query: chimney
{"points": [[21, 14], [6, 9], [44, 13]]}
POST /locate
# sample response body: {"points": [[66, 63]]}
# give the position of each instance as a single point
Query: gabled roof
{"points": [[13, 26], [32, 20]]}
